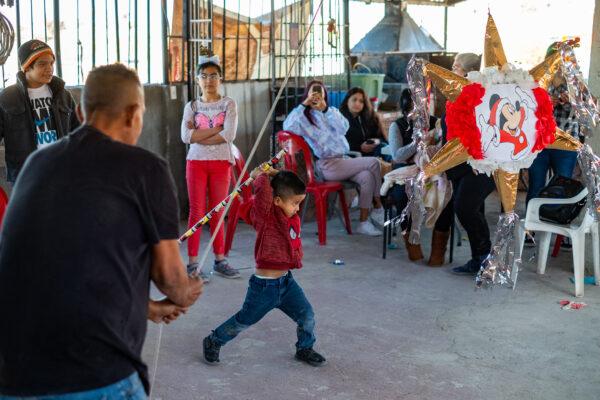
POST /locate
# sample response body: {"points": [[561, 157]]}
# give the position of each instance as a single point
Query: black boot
{"points": [[472, 267], [310, 356], [211, 350]]}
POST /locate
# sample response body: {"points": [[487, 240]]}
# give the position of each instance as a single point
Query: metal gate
{"points": [[198, 33]]}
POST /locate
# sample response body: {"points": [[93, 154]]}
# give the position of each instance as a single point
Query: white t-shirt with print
{"points": [[45, 128]]}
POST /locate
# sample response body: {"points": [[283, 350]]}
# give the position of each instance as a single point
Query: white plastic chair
{"points": [[544, 231]]}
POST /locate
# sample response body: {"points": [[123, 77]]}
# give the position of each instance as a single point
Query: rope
{"points": [[245, 169]]}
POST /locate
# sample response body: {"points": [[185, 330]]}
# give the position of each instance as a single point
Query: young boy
{"points": [[278, 249], [37, 110]]}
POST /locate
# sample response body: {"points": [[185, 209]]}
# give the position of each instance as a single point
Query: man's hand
{"points": [[195, 288], [164, 311]]}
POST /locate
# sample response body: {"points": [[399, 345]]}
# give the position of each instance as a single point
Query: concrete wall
{"points": [[162, 122]]}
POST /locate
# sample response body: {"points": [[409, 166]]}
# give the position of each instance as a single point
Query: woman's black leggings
{"points": [[468, 202]]}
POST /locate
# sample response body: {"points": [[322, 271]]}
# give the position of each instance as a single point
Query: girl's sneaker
{"points": [[225, 270], [367, 228], [192, 267]]}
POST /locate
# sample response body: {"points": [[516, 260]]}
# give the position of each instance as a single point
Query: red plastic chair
{"points": [[294, 144], [245, 198]]}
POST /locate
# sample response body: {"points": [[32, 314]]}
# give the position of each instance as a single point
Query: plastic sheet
{"points": [[590, 172], [502, 266], [582, 101], [415, 187]]}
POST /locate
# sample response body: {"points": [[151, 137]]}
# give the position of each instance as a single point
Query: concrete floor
{"points": [[391, 329]]}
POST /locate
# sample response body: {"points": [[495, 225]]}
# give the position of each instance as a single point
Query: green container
{"points": [[372, 84]]}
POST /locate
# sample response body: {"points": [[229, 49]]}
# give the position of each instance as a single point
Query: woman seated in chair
{"points": [[365, 134], [404, 150], [324, 129]]}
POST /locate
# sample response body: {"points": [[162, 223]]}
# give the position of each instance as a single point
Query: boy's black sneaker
{"points": [[210, 350], [310, 356]]}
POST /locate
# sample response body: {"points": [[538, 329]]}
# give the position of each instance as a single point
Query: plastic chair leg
{"points": [[578, 241], [544, 246], [321, 210], [345, 212], [232, 221], [596, 252]]}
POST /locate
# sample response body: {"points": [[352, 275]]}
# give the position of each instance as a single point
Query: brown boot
{"points": [[439, 242], [414, 250]]}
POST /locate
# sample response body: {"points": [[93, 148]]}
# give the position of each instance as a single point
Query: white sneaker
{"points": [[378, 216], [367, 228], [354, 202]]}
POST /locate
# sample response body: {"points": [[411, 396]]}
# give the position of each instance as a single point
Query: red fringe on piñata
{"points": [[461, 122], [545, 126]]}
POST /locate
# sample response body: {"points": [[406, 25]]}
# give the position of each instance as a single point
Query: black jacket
{"points": [[360, 130], [16, 121]]}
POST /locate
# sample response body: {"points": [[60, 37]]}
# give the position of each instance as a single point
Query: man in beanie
{"points": [[37, 110]]}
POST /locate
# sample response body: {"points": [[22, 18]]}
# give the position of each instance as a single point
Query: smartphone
{"points": [[317, 89]]}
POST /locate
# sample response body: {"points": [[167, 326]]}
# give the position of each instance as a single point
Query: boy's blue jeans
{"points": [[130, 388], [264, 295]]}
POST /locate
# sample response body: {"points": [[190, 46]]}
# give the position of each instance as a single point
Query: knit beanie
{"points": [[31, 50]]}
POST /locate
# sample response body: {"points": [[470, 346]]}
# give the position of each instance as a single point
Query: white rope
{"points": [[245, 169], [155, 364]]}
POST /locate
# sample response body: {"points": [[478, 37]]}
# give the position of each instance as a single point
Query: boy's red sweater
{"points": [[278, 244]]}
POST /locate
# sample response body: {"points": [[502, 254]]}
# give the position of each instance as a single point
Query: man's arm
{"points": [[169, 274]]}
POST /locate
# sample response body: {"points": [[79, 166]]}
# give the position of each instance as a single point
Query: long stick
{"points": [[236, 192]]}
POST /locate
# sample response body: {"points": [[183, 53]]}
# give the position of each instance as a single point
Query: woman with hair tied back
{"points": [[324, 129], [404, 149]]}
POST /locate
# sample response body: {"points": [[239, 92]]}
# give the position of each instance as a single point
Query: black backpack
{"points": [[560, 187]]}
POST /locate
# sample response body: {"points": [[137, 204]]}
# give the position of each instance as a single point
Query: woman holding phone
{"points": [[324, 129]]}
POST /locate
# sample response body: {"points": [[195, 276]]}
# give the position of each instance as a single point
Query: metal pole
{"points": [[165, 43], [188, 45], [93, 33], [31, 16], [135, 40], [57, 38], [18, 27], [117, 30], [224, 33], [148, 37], [45, 24], [347, 43], [445, 27], [273, 74], [237, 44]]}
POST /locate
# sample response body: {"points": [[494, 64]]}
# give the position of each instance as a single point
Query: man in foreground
{"points": [[91, 221]]}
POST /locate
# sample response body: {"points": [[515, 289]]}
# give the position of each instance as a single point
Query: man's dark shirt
{"points": [[75, 257]]}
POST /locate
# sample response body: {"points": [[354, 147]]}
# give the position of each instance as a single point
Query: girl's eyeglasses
{"points": [[209, 77]]}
